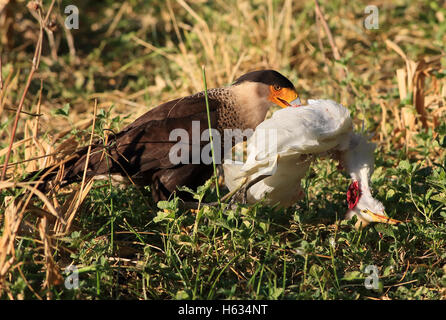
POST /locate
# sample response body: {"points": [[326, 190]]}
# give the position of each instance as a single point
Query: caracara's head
{"points": [[270, 86]]}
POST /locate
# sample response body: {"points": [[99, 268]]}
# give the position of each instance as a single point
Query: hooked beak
{"points": [[375, 217], [284, 97]]}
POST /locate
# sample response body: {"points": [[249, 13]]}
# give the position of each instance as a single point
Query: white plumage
{"points": [[283, 147]]}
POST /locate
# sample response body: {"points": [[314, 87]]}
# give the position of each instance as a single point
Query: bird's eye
{"points": [[277, 87]]}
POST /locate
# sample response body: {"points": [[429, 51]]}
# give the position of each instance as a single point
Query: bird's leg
{"points": [[251, 183], [233, 192], [242, 191], [193, 205], [247, 185]]}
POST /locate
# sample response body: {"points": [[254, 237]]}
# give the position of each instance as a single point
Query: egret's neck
{"points": [[362, 176]]}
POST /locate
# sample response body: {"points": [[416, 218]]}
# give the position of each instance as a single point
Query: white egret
{"points": [[283, 147]]}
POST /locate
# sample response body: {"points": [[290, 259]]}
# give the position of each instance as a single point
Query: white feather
{"points": [[284, 146], [358, 161]]}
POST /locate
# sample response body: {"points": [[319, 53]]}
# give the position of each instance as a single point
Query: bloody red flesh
{"points": [[353, 194]]}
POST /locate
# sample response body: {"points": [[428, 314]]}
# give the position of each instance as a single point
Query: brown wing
{"points": [[143, 147], [175, 109]]}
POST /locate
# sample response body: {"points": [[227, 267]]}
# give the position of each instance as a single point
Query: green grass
{"points": [[254, 252], [126, 247]]}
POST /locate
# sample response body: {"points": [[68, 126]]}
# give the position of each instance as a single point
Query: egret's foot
{"points": [[239, 197]]}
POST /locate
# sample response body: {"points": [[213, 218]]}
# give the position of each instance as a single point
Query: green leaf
{"points": [[353, 275], [182, 295], [164, 215], [64, 111], [169, 209], [385, 229], [390, 193], [264, 226], [169, 205], [441, 197], [316, 270], [404, 165], [186, 189], [276, 292], [163, 204], [388, 270]]}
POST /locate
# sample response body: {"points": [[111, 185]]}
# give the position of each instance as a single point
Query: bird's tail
{"points": [[70, 170]]}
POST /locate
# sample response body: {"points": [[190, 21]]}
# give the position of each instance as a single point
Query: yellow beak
{"points": [[374, 217]]}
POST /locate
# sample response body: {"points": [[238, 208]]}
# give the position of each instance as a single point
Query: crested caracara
{"points": [[141, 151]]}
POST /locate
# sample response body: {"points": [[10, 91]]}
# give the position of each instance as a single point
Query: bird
{"points": [[283, 147], [358, 161], [142, 151]]}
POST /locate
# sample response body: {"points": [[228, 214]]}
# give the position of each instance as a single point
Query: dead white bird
{"points": [[283, 147], [358, 161]]}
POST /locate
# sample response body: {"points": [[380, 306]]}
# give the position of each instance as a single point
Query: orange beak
{"points": [[375, 217], [284, 97]]}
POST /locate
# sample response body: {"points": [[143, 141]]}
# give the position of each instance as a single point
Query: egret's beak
{"points": [[375, 217]]}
